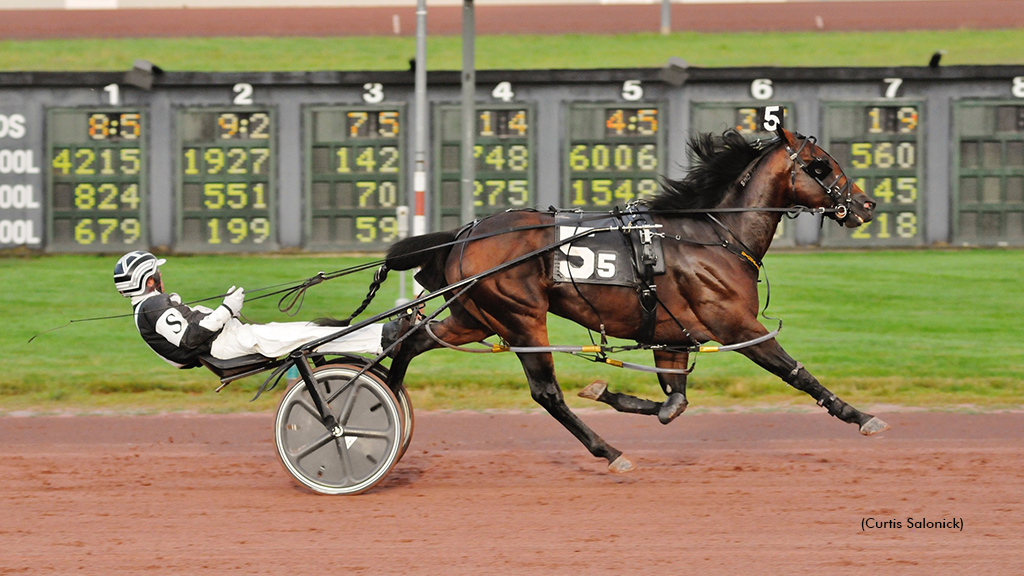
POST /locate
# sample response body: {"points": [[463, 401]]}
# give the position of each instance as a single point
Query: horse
{"points": [[717, 224]]}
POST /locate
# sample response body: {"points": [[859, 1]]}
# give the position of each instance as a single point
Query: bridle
{"points": [[820, 168]]}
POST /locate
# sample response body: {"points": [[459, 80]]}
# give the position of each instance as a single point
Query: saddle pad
{"points": [[600, 258]]}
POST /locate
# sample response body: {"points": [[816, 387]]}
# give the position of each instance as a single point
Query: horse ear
{"points": [[784, 135]]}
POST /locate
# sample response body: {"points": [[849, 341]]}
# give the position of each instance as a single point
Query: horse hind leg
{"points": [[674, 386], [540, 373]]}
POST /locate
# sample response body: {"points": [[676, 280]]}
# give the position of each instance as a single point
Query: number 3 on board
{"points": [[772, 118]]}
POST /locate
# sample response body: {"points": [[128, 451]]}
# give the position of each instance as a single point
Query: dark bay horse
{"points": [[708, 293]]}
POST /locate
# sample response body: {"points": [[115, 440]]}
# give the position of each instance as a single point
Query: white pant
{"points": [[279, 338]]}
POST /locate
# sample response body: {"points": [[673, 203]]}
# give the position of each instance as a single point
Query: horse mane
{"points": [[715, 163]]}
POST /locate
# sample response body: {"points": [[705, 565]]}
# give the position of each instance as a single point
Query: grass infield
{"points": [[926, 328], [912, 48]]}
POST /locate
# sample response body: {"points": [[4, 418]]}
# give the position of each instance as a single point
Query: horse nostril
{"points": [[869, 205]]}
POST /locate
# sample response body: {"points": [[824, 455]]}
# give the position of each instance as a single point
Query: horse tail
{"points": [[429, 252]]}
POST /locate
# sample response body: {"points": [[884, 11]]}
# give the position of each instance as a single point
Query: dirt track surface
{"points": [[523, 19], [516, 494]]}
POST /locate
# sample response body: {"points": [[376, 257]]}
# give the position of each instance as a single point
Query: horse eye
{"points": [[819, 168]]}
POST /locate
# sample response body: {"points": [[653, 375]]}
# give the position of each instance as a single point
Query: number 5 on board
{"points": [[772, 118]]}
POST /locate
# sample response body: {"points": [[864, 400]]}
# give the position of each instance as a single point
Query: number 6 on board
{"points": [[772, 118]]}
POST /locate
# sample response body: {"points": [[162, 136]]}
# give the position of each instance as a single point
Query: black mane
{"points": [[715, 163]]}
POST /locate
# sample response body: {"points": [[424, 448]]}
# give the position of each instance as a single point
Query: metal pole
{"points": [[419, 219], [468, 110], [666, 17]]}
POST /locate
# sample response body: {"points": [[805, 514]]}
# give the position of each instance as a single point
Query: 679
{"points": [[89, 231]]}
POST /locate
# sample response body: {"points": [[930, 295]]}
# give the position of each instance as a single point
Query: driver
{"points": [[181, 334]]}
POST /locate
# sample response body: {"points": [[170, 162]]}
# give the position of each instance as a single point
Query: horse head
{"points": [[819, 182]]}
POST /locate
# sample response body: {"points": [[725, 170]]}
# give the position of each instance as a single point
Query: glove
{"points": [[233, 301]]}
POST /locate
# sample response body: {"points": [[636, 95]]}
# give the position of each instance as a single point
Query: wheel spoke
{"points": [[360, 433], [308, 407], [312, 446], [346, 462], [350, 402]]}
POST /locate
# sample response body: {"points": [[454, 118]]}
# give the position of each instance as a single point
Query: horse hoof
{"points": [[621, 465], [672, 407], [874, 426], [594, 390]]}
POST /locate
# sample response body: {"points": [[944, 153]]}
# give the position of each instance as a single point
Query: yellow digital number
{"points": [[860, 153], [647, 157], [518, 158], [517, 123], [83, 231], [260, 190], [875, 115], [131, 162], [906, 225], [343, 167], [486, 123], [600, 157], [85, 196], [214, 193], [214, 160], [624, 191], [214, 225], [99, 126], [908, 119], [236, 191], [497, 189], [109, 192], [238, 157], [260, 228], [578, 189], [367, 190], [602, 192], [496, 158], [389, 155], [259, 158], [646, 188], [616, 122], [130, 196], [578, 160], [88, 157], [883, 190], [388, 196], [108, 225], [623, 157], [367, 227], [239, 230], [131, 230], [649, 117], [908, 190], [366, 159], [389, 226], [62, 161], [359, 118], [131, 126], [191, 165], [748, 120], [260, 123], [228, 123], [107, 157], [518, 192], [387, 124], [884, 157]]}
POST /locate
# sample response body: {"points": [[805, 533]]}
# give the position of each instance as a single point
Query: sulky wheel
{"points": [[371, 436]]}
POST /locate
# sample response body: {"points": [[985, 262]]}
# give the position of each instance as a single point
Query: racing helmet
{"points": [[133, 270]]}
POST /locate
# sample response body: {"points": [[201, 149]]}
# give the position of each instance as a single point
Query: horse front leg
{"points": [[540, 373], [674, 386], [770, 356]]}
